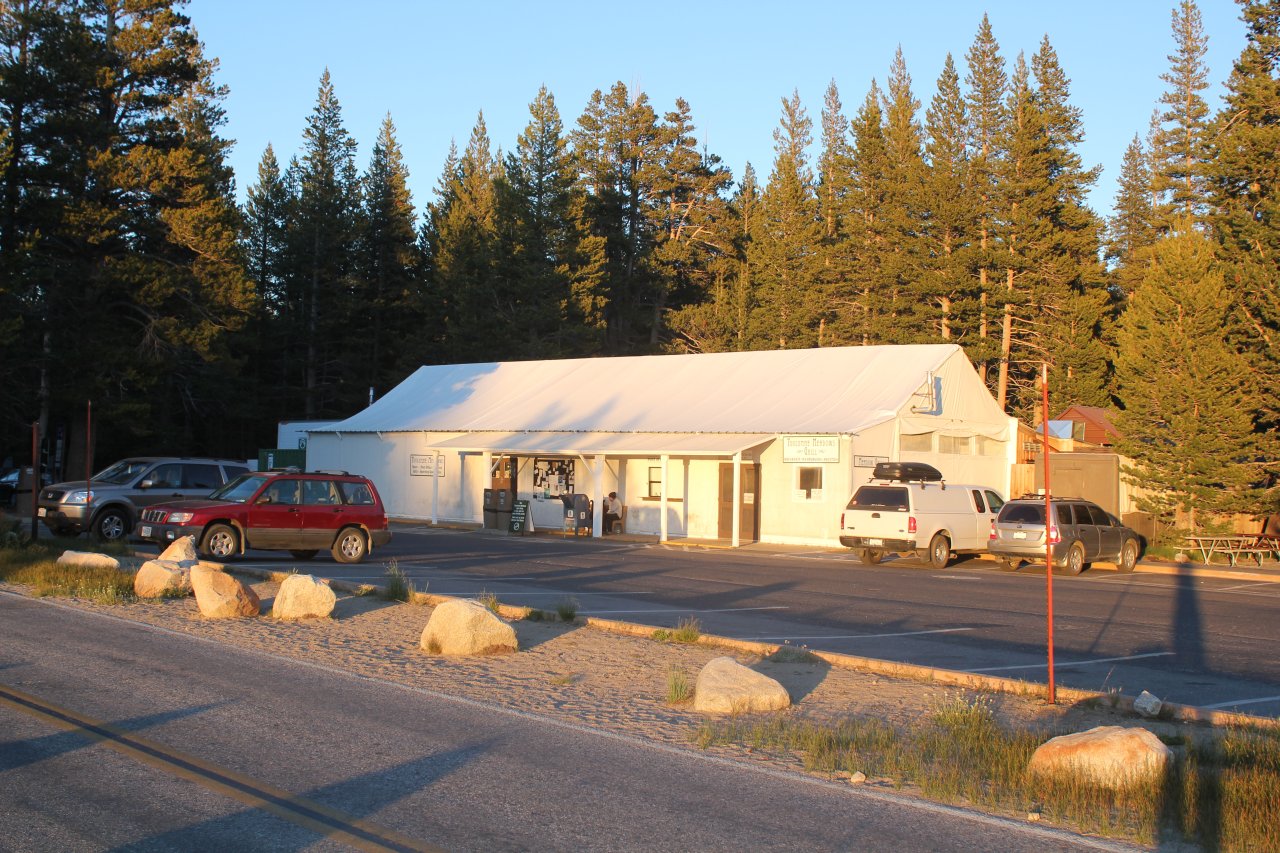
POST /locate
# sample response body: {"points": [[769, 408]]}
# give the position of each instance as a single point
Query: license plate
{"points": [[145, 531], [875, 541], [40, 512], [1020, 534]]}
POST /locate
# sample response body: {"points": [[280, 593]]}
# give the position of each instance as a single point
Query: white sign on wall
{"points": [[811, 448], [426, 465]]}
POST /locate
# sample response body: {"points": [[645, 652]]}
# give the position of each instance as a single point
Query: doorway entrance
{"points": [[749, 494]]}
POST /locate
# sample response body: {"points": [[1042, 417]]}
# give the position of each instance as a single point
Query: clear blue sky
{"points": [[435, 65]]}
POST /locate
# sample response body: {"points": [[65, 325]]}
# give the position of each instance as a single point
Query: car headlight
{"points": [[180, 517], [78, 497]]}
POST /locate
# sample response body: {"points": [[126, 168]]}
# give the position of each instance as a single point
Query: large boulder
{"points": [[463, 627], [220, 596], [161, 578], [88, 559], [303, 597], [727, 687], [1108, 756], [182, 551]]}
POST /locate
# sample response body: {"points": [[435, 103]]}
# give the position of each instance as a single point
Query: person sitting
{"points": [[612, 512]]}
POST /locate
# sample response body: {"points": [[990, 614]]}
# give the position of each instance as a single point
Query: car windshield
{"points": [[123, 472], [240, 489]]}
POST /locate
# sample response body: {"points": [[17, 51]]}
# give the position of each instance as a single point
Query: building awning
{"points": [[648, 445]]}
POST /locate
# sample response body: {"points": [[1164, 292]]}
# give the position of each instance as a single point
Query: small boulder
{"points": [[158, 578], [1147, 705], [88, 559], [220, 596], [1109, 756], [726, 687], [303, 597], [463, 627], [182, 551]]}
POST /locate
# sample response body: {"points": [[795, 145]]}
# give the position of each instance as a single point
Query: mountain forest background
{"points": [[130, 276]]}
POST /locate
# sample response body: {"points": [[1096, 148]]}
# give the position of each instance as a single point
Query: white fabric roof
{"points": [[604, 443], [829, 390]]}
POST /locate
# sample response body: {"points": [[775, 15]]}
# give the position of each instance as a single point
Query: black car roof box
{"points": [[907, 471]]}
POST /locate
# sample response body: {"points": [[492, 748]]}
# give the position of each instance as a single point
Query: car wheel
{"points": [[1009, 565], [303, 554], [220, 542], [350, 546], [111, 525], [1075, 559], [1128, 557], [870, 556], [939, 551]]}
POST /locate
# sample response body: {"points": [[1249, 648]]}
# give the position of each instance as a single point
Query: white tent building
{"points": [[746, 446]]}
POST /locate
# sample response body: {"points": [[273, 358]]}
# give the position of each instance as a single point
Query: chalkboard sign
{"points": [[519, 518]]}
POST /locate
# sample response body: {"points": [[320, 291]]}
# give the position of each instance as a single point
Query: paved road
{"points": [[124, 737], [1187, 639]]}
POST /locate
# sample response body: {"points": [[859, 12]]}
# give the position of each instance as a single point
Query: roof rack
{"points": [[332, 472]]}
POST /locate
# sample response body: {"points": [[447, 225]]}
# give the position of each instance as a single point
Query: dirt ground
{"points": [[579, 673]]}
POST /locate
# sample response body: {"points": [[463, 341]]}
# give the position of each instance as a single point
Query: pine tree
{"points": [[861, 311], [1187, 393], [322, 249], [1244, 180], [786, 255], [987, 85], [907, 312], [949, 228], [1132, 227], [1179, 143], [836, 197], [386, 265]]}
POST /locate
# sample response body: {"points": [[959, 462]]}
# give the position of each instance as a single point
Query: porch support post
{"points": [[737, 499], [662, 503]]}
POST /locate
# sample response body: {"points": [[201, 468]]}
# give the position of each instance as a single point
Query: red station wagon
{"points": [[302, 513]]}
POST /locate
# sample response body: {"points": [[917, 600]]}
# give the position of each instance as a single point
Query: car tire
{"points": [[1008, 564], [1075, 559], [303, 554], [939, 551], [1128, 557], [870, 556], [221, 542], [350, 546], [112, 525]]}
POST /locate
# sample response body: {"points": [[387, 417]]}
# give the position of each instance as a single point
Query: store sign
{"points": [[811, 448], [423, 465]]}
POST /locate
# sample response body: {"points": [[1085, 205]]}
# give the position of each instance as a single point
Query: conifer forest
{"points": [[947, 211]]}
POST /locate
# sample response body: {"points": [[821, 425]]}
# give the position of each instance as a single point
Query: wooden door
{"points": [[750, 502]]}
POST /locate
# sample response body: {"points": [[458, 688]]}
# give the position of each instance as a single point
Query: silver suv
{"points": [[120, 492], [1084, 533]]}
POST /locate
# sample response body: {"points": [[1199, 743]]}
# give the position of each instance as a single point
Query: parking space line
{"points": [[680, 610], [1065, 664], [1218, 705], [859, 636], [1247, 585]]}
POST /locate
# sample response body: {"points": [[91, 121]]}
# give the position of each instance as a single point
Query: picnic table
{"points": [[1237, 545]]}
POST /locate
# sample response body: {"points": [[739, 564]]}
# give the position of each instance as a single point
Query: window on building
{"points": [[956, 444], [921, 443], [809, 483], [655, 482], [989, 446]]}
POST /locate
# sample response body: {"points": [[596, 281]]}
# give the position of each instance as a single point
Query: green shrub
{"points": [[398, 586], [567, 609], [679, 687]]}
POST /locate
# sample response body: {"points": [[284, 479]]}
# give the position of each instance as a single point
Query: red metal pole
{"points": [[1048, 525], [35, 479], [88, 463]]}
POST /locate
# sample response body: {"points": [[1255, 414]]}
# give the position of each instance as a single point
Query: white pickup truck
{"points": [[908, 508]]}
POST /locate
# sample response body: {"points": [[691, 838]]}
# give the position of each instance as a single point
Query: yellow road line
{"points": [[320, 819]]}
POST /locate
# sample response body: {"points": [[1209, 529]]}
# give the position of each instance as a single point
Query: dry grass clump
{"points": [[37, 566]]}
